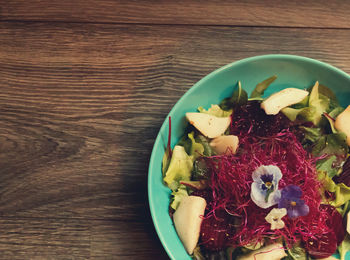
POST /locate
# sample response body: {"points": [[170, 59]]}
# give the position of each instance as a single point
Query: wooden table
{"points": [[84, 88]]}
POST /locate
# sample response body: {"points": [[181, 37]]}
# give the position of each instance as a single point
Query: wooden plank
{"points": [[77, 239], [44, 239], [80, 105], [294, 13], [124, 240]]}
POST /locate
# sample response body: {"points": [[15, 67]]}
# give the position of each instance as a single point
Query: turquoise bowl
{"points": [[292, 71]]}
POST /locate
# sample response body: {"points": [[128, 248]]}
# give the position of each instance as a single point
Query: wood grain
{"points": [[293, 13], [76, 239], [80, 107], [77, 125]]}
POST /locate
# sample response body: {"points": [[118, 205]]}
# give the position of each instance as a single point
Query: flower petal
{"points": [[277, 224], [259, 200], [303, 210], [275, 218], [291, 191], [293, 212], [267, 170]]}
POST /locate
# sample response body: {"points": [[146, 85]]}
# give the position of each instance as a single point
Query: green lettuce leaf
{"points": [[319, 103], [200, 170], [166, 160], [178, 195], [302, 104], [326, 165], [239, 98], [325, 91], [215, 110], [297, 253], [262, 86], [331, 116], [332, 144], [344, 209], [197, 149], [291, 113], [312, 134], [208, 151], [342, 192], [344, 247], [180, 168]]}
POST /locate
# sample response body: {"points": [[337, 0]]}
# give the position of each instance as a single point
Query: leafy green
{"points": [[239, 98], [262, 86], [326, 165], [297, 253], [200, 170], [178, 195], [344, 247], [197, 149], [208, 151], [166, 160], [322, 89], [180, 168], [311, 109], [319, 103], [291, 113], [197, 254], [312, 134], [344, 209], [335, 148], [302, 104], [331, 117], [332, 144], [342, 192], [215, 110]]}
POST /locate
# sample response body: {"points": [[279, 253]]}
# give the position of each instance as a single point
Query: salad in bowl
{"points": [[262, 176]]}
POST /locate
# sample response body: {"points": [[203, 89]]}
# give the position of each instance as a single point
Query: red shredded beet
{"points": [[321, 245], [252, 120], [264, 140], [231, 181], [335, 222], [215, 230]]}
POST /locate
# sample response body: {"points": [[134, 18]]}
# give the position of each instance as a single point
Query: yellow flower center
{"points": [[268, 184], [293, 203]]}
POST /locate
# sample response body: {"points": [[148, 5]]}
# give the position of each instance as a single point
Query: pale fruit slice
{"points": [[284, 98], [210, 126], [225, 144], [329, 258], [188, 220], [348, 223], [270, 252], [342, 123]]}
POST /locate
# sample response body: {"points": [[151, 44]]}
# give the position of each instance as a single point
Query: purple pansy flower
{"points": [[264, 189], [290, 199]]}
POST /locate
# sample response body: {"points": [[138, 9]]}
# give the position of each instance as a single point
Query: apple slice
{"points": [[188, 220], [348, 223], [209, 125], [270, 252], [329, 258], [342, 123], [284, 98], [225, 144]]}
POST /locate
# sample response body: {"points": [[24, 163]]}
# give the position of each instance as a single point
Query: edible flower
{"points": [[275, 218], [264, 189], [290, 199]]}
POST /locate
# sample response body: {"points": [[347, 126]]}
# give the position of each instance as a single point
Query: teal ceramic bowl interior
{"points": [[292, 71]]}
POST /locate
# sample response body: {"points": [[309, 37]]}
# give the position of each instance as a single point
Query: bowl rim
{"points": [[190, 90]]}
